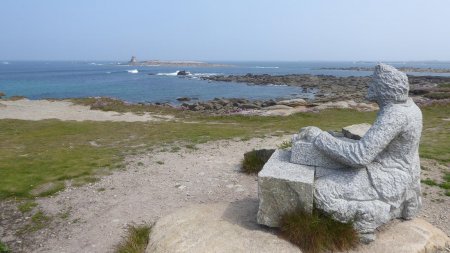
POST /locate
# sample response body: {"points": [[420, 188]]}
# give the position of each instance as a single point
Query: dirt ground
{"points": [[94, 217]]}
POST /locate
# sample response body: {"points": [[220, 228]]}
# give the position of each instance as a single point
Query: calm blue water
{"points": [[37, 80]]}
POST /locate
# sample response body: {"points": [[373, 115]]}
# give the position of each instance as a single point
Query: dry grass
{"points": [[316, 232], [135, 241]]}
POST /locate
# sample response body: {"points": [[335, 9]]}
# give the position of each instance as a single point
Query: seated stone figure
{"points": [[382, 180]]}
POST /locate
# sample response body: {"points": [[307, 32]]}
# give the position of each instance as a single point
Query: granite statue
{"points": [[380, 176]]}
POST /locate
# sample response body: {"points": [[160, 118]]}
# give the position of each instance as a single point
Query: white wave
{"points": [[206, 74], [270, 67], [108, 72], [168, 74], [5, 63], [277, 85], [133, 71], [96, 64]]}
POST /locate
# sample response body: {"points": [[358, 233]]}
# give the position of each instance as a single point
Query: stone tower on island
{"points": [[133, 61]]}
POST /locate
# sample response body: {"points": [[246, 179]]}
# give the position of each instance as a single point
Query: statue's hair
{"points": [[391, 84]]}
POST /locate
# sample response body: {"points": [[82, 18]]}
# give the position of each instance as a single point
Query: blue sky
{"points": [[289, 30]]}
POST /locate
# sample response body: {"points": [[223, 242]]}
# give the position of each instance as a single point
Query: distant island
{"points": [[404, 69], [135, 62]]}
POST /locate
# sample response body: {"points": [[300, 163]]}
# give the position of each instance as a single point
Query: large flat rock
{"points": [[219, 228], [283, 187], [232, 227]]}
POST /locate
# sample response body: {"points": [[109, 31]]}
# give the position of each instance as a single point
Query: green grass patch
{"points": [[254, 160], [429, 182], [444, 85], [446, 181], [36, 153], [27, 206], [37, 222], [135, 241], [4, 248], [317, 232], [437, 95]]}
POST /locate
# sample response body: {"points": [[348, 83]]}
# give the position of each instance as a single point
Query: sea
{"points": [[74, 79]]}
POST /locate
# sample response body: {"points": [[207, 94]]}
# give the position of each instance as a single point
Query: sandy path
{"points": [[142, 193], [25, 109]]}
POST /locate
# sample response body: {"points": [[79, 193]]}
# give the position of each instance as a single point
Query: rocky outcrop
{"points": [[332, 88], [183, 73]]}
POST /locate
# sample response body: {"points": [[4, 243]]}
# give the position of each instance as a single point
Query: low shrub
{"points": [[316, 232], [254, 160]]}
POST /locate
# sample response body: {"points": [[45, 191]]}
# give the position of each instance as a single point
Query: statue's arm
{"points": [[361, 153]]}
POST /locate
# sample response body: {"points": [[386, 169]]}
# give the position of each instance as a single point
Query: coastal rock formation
{"points": [[331, 88]]}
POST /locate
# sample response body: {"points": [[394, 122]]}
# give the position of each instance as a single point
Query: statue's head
{"points": [[388, 85]]}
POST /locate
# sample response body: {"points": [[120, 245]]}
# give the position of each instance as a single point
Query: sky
{"points": [[225, 30]]}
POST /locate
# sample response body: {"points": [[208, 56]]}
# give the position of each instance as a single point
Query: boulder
{"points": [[293, 102], [221, 227], [183, 99], [249, 106], [356, 131], [413, 236], [231, 227], [182, 73], [277, 107], [283, 187]]}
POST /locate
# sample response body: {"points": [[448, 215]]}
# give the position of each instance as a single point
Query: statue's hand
{"points": [[308, 134]]}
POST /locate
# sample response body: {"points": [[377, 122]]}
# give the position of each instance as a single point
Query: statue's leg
{"points": [[348, 196]]}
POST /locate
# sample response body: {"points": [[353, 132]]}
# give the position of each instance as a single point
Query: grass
{"points": [[445, 185], [4, 248], [438, 95], [254, 160], [36, 153], [135, 241], [429, 182], [27, 206], [38, 221], [316, 232]]}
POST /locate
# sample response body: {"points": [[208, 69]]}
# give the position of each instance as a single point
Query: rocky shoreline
{"points": [[332, 88], [403, 69]]}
